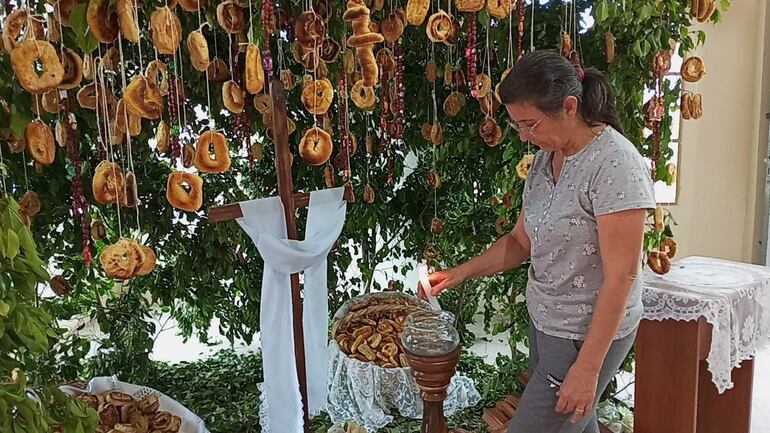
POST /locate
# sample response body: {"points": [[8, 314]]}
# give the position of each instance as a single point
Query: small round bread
{"points": [[233, 97], [102, 21], [499, 9], [148, 264], [86, 96], [659, 262], [363, 96], [203, 159], [73, 69], [192, 5], [263, 103], [255, 74], [40, 142], [317, 96], [121, 261], [329, 50], [161, 138], [439, 26], [693, 69], [129, 28], [218, 70], [24, 59], [16, 27], [230, 16], [490, 131], [29, 204], [143, 99], [668, 246], [469, 5], [109, 184], [188, 199], [199, 50], [165, 30], [385, 60], [50, 101], [416, 11], [392, 28], [316, 146], [156, 74], [482, 86]]}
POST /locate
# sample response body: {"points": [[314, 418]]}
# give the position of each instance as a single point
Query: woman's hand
{"points": [[577, 391], [440, 281]]}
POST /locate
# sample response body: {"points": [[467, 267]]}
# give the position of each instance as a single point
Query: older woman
{"points": [[582, 226]]}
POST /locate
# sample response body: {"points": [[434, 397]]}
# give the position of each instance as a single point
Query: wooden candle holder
{"points": [[433, 374]]}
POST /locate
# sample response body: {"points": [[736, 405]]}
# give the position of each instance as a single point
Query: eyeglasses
{"points": [[529, 130]]}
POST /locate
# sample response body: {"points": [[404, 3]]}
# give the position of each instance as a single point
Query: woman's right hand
{"points": [[440, 281]]}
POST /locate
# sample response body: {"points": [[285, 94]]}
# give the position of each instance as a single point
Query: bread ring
{"points": [[233, 97], [24, 59], [439, 26], [230, 16], [148, 260], [489, 105], [199, 51], [490, 131], [363, 96], [263, 103], [684, 105], [157, 76], [309, 28], [290, 128], [659, 262], [454, 103], [392, 28], [165, 30], [102, 21], [143, 99], [469, 5], [73, 69], [416, 11], [693, 69], [316, 146], [121, 260], [29, 204], [482, 86], [696, 107], [668, 246], [40, 142], [220, 163], [454, 33], [192, 5], [87, 96], [499, 9], [50, 101], [129, 28], [218, 70], [329, 50], [255, 75], [317, 96], [188, 155], [181, 198], [365, 40], [522, 168], [109, 184], [436, 134], [16, 26], [161, 138], [385, 60]]}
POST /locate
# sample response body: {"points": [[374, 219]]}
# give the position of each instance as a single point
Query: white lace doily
{"points": [[191, 423], [366, 393], [733, 297]]}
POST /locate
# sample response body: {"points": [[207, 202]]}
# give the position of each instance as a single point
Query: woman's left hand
{"points": [[577, 391]]}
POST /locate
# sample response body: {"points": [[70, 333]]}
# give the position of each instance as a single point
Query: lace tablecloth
{"points": [[733, 297]]}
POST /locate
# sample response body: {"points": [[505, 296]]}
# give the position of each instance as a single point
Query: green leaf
{"points": [[602, 12], [85, 39], [19, 122], [646, 47], [645, 13], [637, 49], [12, 246], [4, 309], [701, 37]]}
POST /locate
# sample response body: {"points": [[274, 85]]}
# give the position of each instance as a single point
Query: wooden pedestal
{"points": [[433, 374], [673, 389]]}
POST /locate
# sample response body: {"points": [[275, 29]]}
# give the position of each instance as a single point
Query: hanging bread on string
{"points": [[363, 40], [165, 30], [40, 142], [24, 59], [190, 199], [129, 27], [203, 160], [255, 74], [102, 19], [199, 50]]}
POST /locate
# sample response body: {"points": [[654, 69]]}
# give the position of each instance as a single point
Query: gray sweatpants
{"points": [[554, 356]]}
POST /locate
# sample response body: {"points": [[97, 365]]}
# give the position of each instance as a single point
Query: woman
{"points": [[582, 225]]}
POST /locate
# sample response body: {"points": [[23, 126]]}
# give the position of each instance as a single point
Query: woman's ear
{"points": [[570, 107]]}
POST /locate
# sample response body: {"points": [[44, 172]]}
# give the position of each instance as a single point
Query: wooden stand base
{"points": [[673, 390], [433, 374]]}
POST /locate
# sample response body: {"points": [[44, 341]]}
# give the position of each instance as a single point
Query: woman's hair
{"points": [[545, 78]]}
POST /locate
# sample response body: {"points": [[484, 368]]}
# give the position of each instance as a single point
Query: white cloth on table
{"points": [[264, 221], [733, 297]]}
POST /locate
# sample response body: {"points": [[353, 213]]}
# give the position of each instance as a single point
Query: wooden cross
{"points": [[291, 201]]}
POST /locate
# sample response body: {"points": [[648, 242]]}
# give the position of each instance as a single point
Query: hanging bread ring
{"points": [[659, 262], [290, 128], [263, 103], [143, 99], [255, 74], [362, 96], [668, 247], [109, 185], [329, 51], [386, 61], [86, 96], [499, 9], [230, 16], [425, 130], [16, 27], [192, 5], [165, 30], [199, 50], [73, 69], [490, 131], [439, 26], [24, 59], [288, 80], [29, 204], [696, 106], [469, 5], [162, 138], [88, 67], [40, 142], [156, 74], [102, 21], [129, 28], [309, 28], [416, 11], [392, 28], [148, 260], [317, 96], [693, 69], [436, 134], [63, 9], [125, 121], [50, 101], [482, 86], [203, 160], [522, 168], [489, 105], [316, 146], [233, 97], [189, 198], [431, 251], [454, 103], [218, 70], [121, 260]]}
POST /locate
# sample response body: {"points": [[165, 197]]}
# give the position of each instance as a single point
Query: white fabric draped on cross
{"points": [[264, 221]]}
